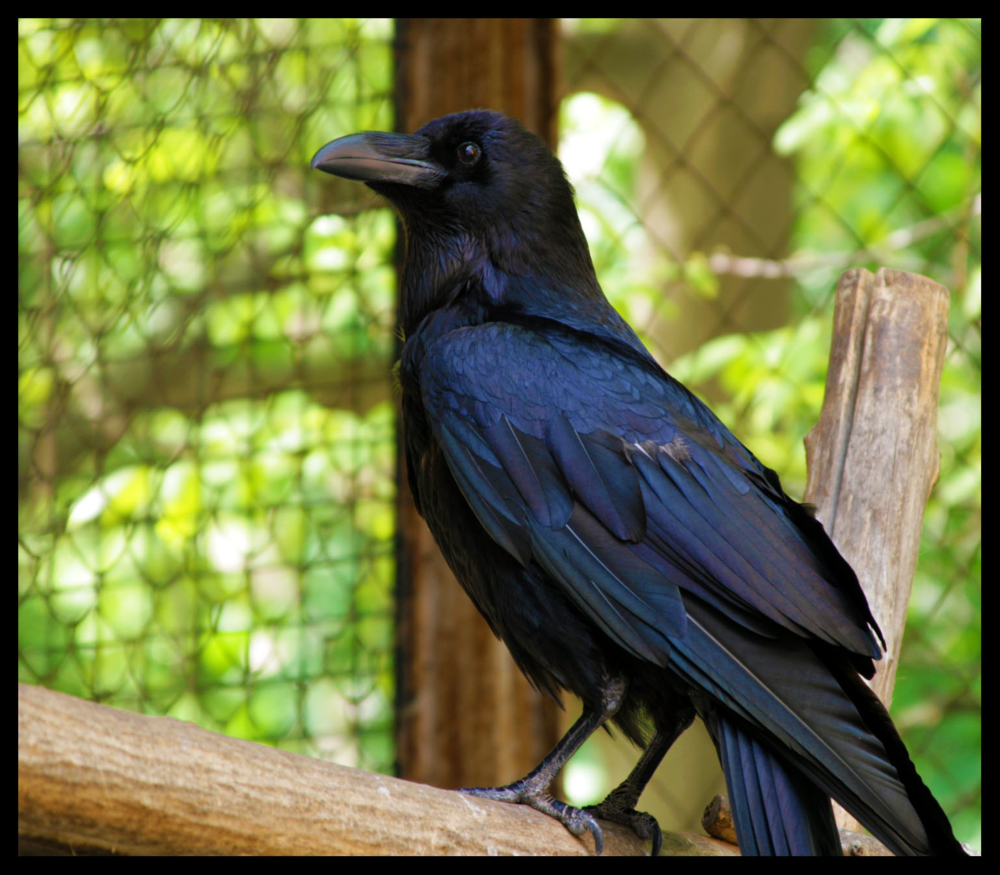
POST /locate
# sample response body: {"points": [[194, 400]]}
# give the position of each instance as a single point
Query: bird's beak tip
{"points": [[326, 158], [364, 157]]}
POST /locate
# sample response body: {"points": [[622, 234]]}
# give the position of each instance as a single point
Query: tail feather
{"points": [[777, 811]]}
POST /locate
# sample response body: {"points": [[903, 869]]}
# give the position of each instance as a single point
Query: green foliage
{"points": [[206, 499], [886, 146], [889, 137]]}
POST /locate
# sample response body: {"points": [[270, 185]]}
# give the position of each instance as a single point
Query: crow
{"points": [[623, 544]]}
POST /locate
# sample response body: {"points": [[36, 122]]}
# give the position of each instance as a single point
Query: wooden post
{"points": [[466, 716], [873, 456]]}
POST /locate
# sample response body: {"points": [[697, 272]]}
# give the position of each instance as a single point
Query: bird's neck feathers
{"points": [[545, 278]]}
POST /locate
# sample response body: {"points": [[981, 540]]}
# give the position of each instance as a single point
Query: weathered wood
{"points": [[872, 456], [93, 778], [466, 717]]}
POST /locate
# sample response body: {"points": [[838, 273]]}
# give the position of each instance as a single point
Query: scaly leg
{"points": [[533, 789]]}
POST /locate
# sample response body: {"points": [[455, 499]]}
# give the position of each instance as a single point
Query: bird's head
{"points": [[474, 190]]}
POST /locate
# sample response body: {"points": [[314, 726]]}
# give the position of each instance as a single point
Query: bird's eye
{"points": [[468, 154]]}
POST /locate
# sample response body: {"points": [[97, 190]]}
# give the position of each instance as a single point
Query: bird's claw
{"points": [[642, 824], [576, 820]]}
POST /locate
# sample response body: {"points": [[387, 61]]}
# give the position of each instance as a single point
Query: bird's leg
{"points": [[619, 805], [533, 789]]}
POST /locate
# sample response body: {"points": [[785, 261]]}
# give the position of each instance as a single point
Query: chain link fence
{"points": [[206, 439], [727, 172], [206, 429]]}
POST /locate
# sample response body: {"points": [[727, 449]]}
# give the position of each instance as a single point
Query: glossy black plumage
{"points": [[629, 548]]}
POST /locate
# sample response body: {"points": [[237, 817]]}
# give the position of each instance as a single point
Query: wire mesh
{"points": [[206, 469], [206, 432], [727, 172]]}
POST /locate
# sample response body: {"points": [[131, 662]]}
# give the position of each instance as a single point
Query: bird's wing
{"points": [[676, 542], [592, 462]]}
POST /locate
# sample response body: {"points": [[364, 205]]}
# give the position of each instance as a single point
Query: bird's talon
{"points": [[576, 820], [642, 824]]}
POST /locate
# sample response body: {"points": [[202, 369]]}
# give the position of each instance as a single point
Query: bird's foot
{"points": [[617, 808], [576, 820]]}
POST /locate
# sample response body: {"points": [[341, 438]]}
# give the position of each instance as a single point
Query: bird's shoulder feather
{"points": [[577, 452]]}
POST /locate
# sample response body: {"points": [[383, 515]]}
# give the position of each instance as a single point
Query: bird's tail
{"points": [[777, 811], [794, 724]]}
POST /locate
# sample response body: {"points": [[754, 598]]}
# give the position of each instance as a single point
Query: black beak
{"points": [[377, 157]]}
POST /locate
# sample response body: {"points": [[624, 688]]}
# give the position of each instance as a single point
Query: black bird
{"points": [[628, 548]]}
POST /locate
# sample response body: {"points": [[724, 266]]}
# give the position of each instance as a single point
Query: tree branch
{"points": [[93, 778]]}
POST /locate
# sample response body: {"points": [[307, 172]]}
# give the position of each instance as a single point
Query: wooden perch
{"points": [[93, 778], [873, 456]]}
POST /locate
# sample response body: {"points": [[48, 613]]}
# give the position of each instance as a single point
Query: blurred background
{"points": [[213, 524]]}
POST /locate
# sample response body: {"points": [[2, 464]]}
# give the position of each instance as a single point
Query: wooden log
{"points": [[93, 779], [873, 456]]}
